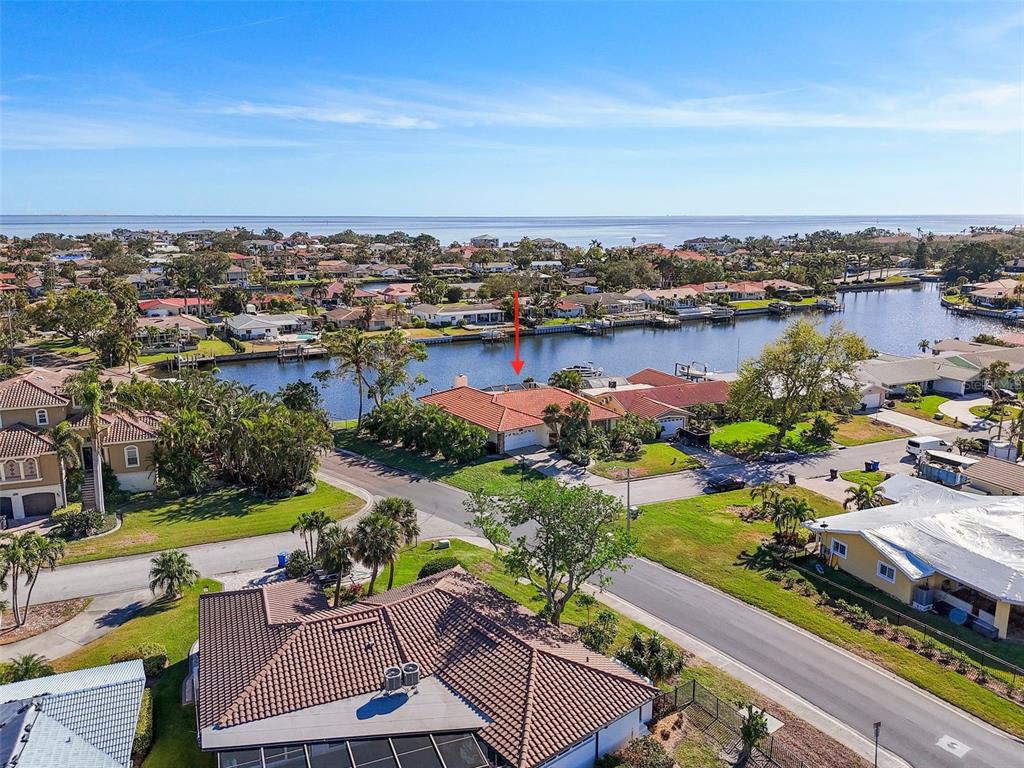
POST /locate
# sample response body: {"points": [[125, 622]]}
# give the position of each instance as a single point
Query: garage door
{"points": [[872, 400], [671, 425], [6, 507], [523, 439], [39, 503]]}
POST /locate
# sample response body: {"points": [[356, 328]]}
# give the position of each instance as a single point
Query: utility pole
{"points": [[629, 507]]}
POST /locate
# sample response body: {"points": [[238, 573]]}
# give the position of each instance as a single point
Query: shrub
{"points": [[73, 522], [153, 656], [961, 661], [645, 752], [912, 393], [882, 625], [599, 634], [610, 760], [436, 565], [298, 564], [144, 728], [929, 647], [1011, 689], [822, 430]]}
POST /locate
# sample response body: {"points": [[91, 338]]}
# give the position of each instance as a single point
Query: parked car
{"points": [[726, 483], [775, 457], [918, 445]]}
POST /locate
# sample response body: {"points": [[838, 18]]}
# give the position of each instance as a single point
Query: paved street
{"points": [[825, 677]]}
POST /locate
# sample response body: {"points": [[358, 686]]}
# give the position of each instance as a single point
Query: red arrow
{"points": [[517, 364]]}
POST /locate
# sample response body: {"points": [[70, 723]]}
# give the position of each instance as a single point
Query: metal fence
{"points": [[986, 661], [722, 722]]}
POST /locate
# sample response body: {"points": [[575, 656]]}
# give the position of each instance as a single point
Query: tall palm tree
{"points": [[403, 512], [352, 352], [172, 571], [23, 557], [68, 445], [993, 375], [553, 419], [311, 525], [28, 666], [90, 394], [337, 547], [863, 496], [378, 541]]}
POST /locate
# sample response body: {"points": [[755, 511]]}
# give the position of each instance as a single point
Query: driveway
{"points": [[961, 409]]}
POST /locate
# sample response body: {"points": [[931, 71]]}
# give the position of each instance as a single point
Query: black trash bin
{"points": [[833, 474], [792, 479]]}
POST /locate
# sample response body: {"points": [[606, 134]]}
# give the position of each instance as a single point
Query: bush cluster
{"points": [[426, 429], [645, 752], [437, 565], [73, 522], [153, 656], [144, 728]]}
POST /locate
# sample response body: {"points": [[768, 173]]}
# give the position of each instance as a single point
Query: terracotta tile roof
{"points": [[655, 401], [172, 301], [20, 441], [277, 650], [504, 411], [654, 378], [123, 427], [31, 390]]}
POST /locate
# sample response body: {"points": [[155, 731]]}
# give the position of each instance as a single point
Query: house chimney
{"points": [[462, 380]]}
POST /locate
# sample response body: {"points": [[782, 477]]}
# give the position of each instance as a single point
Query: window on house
{"points": [[30, 469], [131, 456], [886, 572], [42, 417], [839, 548], [12, 471]]}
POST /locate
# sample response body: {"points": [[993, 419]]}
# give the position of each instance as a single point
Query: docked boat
{"points": [[722, 314], [780, 308], [493, 336], [695, 313], [587, 370], [827, 305]]}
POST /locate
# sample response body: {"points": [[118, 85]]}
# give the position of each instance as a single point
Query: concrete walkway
{"points": [[104, 613]]}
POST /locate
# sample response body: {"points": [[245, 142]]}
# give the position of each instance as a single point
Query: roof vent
{"points": [[392, 680], [410, 674]]}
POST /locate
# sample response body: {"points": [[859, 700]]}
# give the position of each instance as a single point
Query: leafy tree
{"points": [[389, 359], [576, 536], [198, 272], [298, 564], [753, 732], [570, 380], [972, 260], [28, 666], [301, 396], [912, 393], [378, 542], [863, 496], [171, 571], [431, 290], [180, 454], [282, 448], [822, 430], [801, 372], [77, 313], [232, 299], [105, 249], [651, 656]]}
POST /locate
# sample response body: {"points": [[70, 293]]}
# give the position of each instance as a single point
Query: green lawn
{"points": [[210, 346], [60, 345], [985, 412], [176, 626], [859, 477], [494, 476], [861, 430], [752, 438], [226, 513], [656, 459], [926, 408], [704, 538], [763, 303]]}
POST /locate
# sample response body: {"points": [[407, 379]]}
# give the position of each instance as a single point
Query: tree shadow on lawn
{"points": [[115, 617], [216, 506], [760, 560]]}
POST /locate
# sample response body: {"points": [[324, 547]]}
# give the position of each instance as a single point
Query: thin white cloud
{"points": [[339, 114], [33, 130]]}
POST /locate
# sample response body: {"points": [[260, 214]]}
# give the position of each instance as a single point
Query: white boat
{"points": [[780, 308], [587, 370], [694, 313], [722, 313]]}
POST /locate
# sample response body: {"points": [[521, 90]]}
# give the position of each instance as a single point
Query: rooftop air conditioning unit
{"points": [[392, 679], [410, 674]]}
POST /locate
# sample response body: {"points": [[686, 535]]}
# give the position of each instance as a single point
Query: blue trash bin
{"points": [[874, 466], [282, 559]]}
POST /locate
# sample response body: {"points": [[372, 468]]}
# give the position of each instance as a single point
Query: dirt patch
{"points": [[41, 618]]}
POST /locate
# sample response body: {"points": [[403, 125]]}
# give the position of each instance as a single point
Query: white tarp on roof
{"points": [[976, 541], [907, 488]]}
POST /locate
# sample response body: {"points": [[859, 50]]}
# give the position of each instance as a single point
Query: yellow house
{"points": [[944, 552]]}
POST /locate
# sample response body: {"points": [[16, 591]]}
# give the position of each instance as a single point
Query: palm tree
{"points": [[766, 492], [965, 444], [23, 557], [352, 351], [651, 656], [172, 571], [553, 419], [68, 446], [337, 546], [863, 496], [29, 666], [90, 394], [403, 512], [311, 525], [923, 345], [378, 541], [993, 375]]}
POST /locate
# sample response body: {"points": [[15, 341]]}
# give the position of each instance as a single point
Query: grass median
{"points": [[655, 459], [152, 524]]}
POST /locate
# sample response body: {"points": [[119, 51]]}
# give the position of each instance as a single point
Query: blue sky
{"points": [[511, 109]]}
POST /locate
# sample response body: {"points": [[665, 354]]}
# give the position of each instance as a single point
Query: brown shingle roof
{"points": [[1004, 474], [276, 650], [19, 441]]}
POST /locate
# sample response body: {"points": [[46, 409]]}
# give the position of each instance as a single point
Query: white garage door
{"points": [[671, 425], [872, 400], [520, 439]]}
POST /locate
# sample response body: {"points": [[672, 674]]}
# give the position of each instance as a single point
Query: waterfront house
{"points": [[445, 672], [934, 374], [938, 552], [448, 268], [175, 306], [236, 275], [484, 241], [652, 394], [611, 303], [399, 293], [154, 331], [997, 293], [382, 318], [453, 314], [81, 719], [567, 308], [254, 327], [514, 419], [682, 297], [709, 244]]}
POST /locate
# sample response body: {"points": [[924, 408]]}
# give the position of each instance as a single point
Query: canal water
{"points": [[892, 321]]}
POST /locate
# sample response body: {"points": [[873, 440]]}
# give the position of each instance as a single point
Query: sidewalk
{"points": [[104, 613]]}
